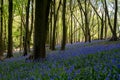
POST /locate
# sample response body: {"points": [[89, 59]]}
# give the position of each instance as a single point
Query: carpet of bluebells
{"points": [[99, 60]]}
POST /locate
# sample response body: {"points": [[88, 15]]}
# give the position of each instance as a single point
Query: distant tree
{"points": [[71, 12], [32, 24], [85, 12], [114, 36], [106, 27], [100, 17], [114, 27], [10, 22], [21, 9], [1, 28], [102, 27], [21, 28], [55, 22], [41, 26], [4, 31], [64, 26], [51, 26], [26, 41], [87, 28]]}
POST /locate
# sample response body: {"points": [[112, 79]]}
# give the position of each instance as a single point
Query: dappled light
{"points": [[59, 39]]}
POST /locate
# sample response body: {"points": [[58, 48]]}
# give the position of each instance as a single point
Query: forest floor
{"points": [[98, 60]]}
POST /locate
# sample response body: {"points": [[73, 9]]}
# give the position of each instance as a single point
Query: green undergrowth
{"points": [[97, 66]]}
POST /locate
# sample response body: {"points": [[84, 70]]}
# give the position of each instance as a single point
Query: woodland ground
{"points": [[98, 60]]}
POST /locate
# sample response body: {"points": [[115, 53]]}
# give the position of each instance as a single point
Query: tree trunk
{"points": [[21, 28], [87, 23], [112, 28], [102, 27], [54, 26], [21, 34], [87, 29], [41, 17], [98, 28], [114, 36], [51, 27], [71, 37], [26, 41], [5, 36], [10, 22], [106, 26], [1, 29], [64, 26], [55, 21], [31, 28], [74, 35]]}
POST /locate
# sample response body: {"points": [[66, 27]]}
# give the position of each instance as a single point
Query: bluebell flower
{"points": [[0, 75], [75, 54], [118, 66], [107, 78], [32, 78], [51, 79], [77, 72]]}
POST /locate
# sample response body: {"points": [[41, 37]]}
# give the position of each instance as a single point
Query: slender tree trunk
{"points": [[112, 28], [74, 30], [64, 26], [55, 21], [82, 26], [5, 36], [114, 36], [10, 22], [47, 18], [98, 28], [105, 26], [1, 29], [87, 29], [54, 27], [21, 34], [51, 26], [79, 37], [31, 29], [26, 41], [21, 29], [87, 23], [102, 27], [71, 37]]}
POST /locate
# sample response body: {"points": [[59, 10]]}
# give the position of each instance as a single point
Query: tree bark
{"points": [[114, 36], [112, 28], [64, 26], [31, 28], [51, 26], [87, 29], [106, 27], [88, 36], [102, 27], [10, 22], [1, 29], [55, 21], [41, 17], [26, 41], [71, 37]]}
